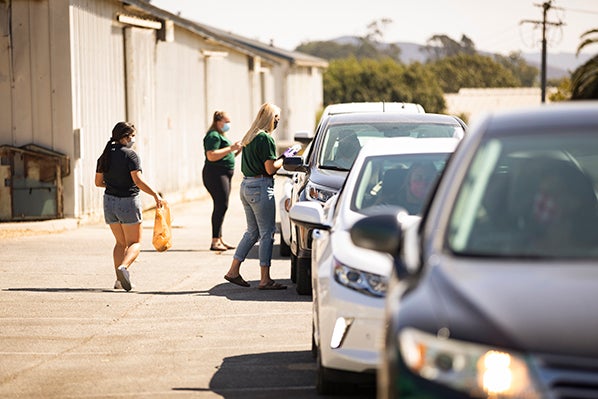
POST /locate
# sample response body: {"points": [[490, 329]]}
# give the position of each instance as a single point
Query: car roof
{"points": [[542, 118], [408, 145], [343, 108], [365, 117]]}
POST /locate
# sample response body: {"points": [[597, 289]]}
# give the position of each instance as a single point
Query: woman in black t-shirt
{"points": [[119, 171]]}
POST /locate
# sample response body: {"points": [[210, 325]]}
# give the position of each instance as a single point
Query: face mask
{"points": [[226, 127], [130, 143], [418, 189], [275, 123]]}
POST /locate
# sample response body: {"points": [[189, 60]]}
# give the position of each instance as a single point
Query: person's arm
{"points": [[100, 180], [272, 165], [217, 155], [138, 179]]}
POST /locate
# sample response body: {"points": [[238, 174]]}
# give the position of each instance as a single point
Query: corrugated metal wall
{"points": [[180, 117], [35, 93], [73, 71], [99, 92]]}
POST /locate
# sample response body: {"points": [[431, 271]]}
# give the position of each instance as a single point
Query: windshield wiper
{"points": [[329, 167]]}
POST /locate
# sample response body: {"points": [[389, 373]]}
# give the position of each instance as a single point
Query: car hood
{"points": [[363, 259], [530, 306], [329, 178]]}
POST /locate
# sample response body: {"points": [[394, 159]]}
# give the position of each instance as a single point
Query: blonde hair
{"points": [[264, 121]]}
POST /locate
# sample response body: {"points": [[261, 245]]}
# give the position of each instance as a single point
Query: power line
{"points": [[580, 11], [545, 7]]}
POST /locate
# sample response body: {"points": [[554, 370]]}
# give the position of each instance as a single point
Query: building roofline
{"points": [[229, 39]]}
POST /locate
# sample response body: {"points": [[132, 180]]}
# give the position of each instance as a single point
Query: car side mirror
{"points": [[309, 214], [294, 164], [382, 233]]}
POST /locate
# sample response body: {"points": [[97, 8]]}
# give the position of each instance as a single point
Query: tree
{"points": [[471, 70], [525, 73], [584, 80], [441, 46], [376, 29], [351, 80], [563, 92], [371, 45]]}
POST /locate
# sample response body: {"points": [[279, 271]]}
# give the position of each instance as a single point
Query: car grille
{"points": [[568, 377]]}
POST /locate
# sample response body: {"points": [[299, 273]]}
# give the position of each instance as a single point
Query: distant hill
{"points": [[558, 64]]}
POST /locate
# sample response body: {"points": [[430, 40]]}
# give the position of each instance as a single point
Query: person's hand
{"points": [[236, 146], [159, 201], [292, 151]]}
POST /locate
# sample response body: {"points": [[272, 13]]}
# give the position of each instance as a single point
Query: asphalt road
{"points": [[183, 331]]}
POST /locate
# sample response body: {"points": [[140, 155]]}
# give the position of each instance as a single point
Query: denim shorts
{"points": [[126, 210]]}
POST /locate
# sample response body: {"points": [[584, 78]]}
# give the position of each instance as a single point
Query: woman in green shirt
{"points": [[258, 163], [217, 173]]}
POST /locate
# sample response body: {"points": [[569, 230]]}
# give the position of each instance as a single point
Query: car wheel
{"points": [[285, 250], [303, 276], [293, 268], [324, 385]]}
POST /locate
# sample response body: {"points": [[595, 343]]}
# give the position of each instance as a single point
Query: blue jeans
{"points": [[257, 197]]}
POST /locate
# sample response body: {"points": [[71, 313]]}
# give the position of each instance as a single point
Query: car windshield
{"points": [[397, 181], [525, 197], [342, 142]]}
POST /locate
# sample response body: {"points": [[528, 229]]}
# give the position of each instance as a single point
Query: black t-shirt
{"points": [[118, 179]]}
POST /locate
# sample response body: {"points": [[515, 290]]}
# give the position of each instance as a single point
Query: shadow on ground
{"points": [[248, 376]]}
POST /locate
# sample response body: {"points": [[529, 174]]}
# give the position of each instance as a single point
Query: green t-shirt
{"points": [[215, 141], [261, 148]]}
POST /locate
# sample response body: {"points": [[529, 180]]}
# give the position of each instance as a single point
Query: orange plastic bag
{"points": [[162, 239]]}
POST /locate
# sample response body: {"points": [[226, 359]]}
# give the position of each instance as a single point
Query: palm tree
{"points": [[584, 80]]}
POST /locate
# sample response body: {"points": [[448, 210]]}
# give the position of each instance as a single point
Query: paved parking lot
{"points": [[182, 332]]}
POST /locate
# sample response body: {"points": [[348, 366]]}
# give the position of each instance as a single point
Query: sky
{"points": [[493, 25]]}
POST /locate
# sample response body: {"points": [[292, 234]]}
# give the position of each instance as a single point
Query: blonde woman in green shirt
{"points": [[259, 163]]}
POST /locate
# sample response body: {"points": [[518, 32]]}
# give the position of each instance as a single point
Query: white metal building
{"points": [[71, 69]]}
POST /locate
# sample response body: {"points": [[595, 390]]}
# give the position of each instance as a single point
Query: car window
{"points": [[397, 181], [341, 142], [528, 197]]}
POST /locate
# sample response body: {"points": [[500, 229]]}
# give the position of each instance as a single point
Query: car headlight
{"points": [[478, 370], [358, 280], [318, 193]]}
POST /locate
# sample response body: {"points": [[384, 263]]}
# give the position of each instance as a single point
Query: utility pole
{"points": [[545, 7]]}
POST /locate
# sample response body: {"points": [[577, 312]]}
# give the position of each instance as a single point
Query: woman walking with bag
{"points": [[217, 173], [119, 171], [259, 163]]}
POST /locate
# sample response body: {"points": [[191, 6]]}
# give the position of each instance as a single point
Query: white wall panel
{"points": [[98, 92], [180, 116]]}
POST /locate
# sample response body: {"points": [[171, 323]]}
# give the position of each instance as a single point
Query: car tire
{"points": [[324, 385], [293, 268], [303, 276], [285, 249]]}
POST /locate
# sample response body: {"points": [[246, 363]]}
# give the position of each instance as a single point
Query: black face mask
{"points": [[275, 124]]}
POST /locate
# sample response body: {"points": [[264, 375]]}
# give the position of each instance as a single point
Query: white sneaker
{"points": [[123, 276]]}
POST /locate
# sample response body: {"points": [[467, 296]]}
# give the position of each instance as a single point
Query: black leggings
{"points": [[217, 181]]}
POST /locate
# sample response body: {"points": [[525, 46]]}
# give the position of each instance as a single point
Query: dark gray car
{"points": [[323, 170], [494, 293]]}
